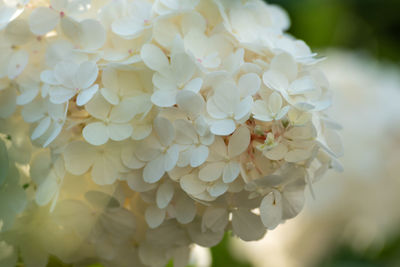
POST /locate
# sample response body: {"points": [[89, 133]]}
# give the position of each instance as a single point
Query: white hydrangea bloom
{"points": [[130, 130]]}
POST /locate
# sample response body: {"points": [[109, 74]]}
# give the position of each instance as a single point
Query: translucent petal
{"points": [[17, 63], [96, 133], [239, 142], [60, 94], [185, 209], [104, 172], [194, 85], [222, 127], [183, 68], [277, 153], [86, 74], [211, 171], [119, 132], [93, 35], [164, 195], [41, 128], [46, 191], [42, 20], [86, 95], [164, 98], [154, 58], [192, 185], [65, 72], [185, 132], [271, 210], [231, 172], [154, 170], [199, 156], [249, 84], [218, 188], [79, 157], [164, 130], [154, 216], [247, 225], [136, 183], [285, 64]]}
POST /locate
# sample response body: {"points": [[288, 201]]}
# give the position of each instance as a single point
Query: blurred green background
{"points": [[371, 26]]}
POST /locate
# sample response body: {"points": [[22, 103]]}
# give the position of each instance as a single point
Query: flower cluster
{"points": [[132, 129]]}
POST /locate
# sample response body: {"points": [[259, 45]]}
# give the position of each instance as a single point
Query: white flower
{"points": [[159, 151], [170, 77], [164, 7], [104, 160], [48, 177], [195, 151], [306, 92], [226, 106], [269, 109], [224, 161], [50, 117], [69, 79], [135, 18]]}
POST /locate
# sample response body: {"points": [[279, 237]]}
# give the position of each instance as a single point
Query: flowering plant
{"points": [[132, 129]]}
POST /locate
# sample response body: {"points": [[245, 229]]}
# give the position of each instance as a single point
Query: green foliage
{"points": [[222, 257]]}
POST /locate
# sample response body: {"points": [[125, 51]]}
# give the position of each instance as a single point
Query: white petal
{"points": [[242, 111], [275, 102], [104, 172], [215, 219], [185, 209], [231, 172], [185, 132], [277, 153], [127, 27], [47, 76], [190, 102], [86, 95], [60, 95], [42, 20], [41, 128], [154, 58], [129, 158], [119, 132], [292, 202], [218, 189], [271, 210], [183, 67], [17, 63], [154, 170], [239, 142], [93, 35], [96, 133], [154, 216], [194, 85], [110, 96], [86, 74], [65, 72], [285, 64], [171, 158], [297, 155], [46, 191], [247, 225], [192, 185], [136, 183], [164, 130], [249, 84], [199, 156], [78, 157], [276, 81], [223, 127], [164, 195], [260, 111], [164, 98], [211, 171]]}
